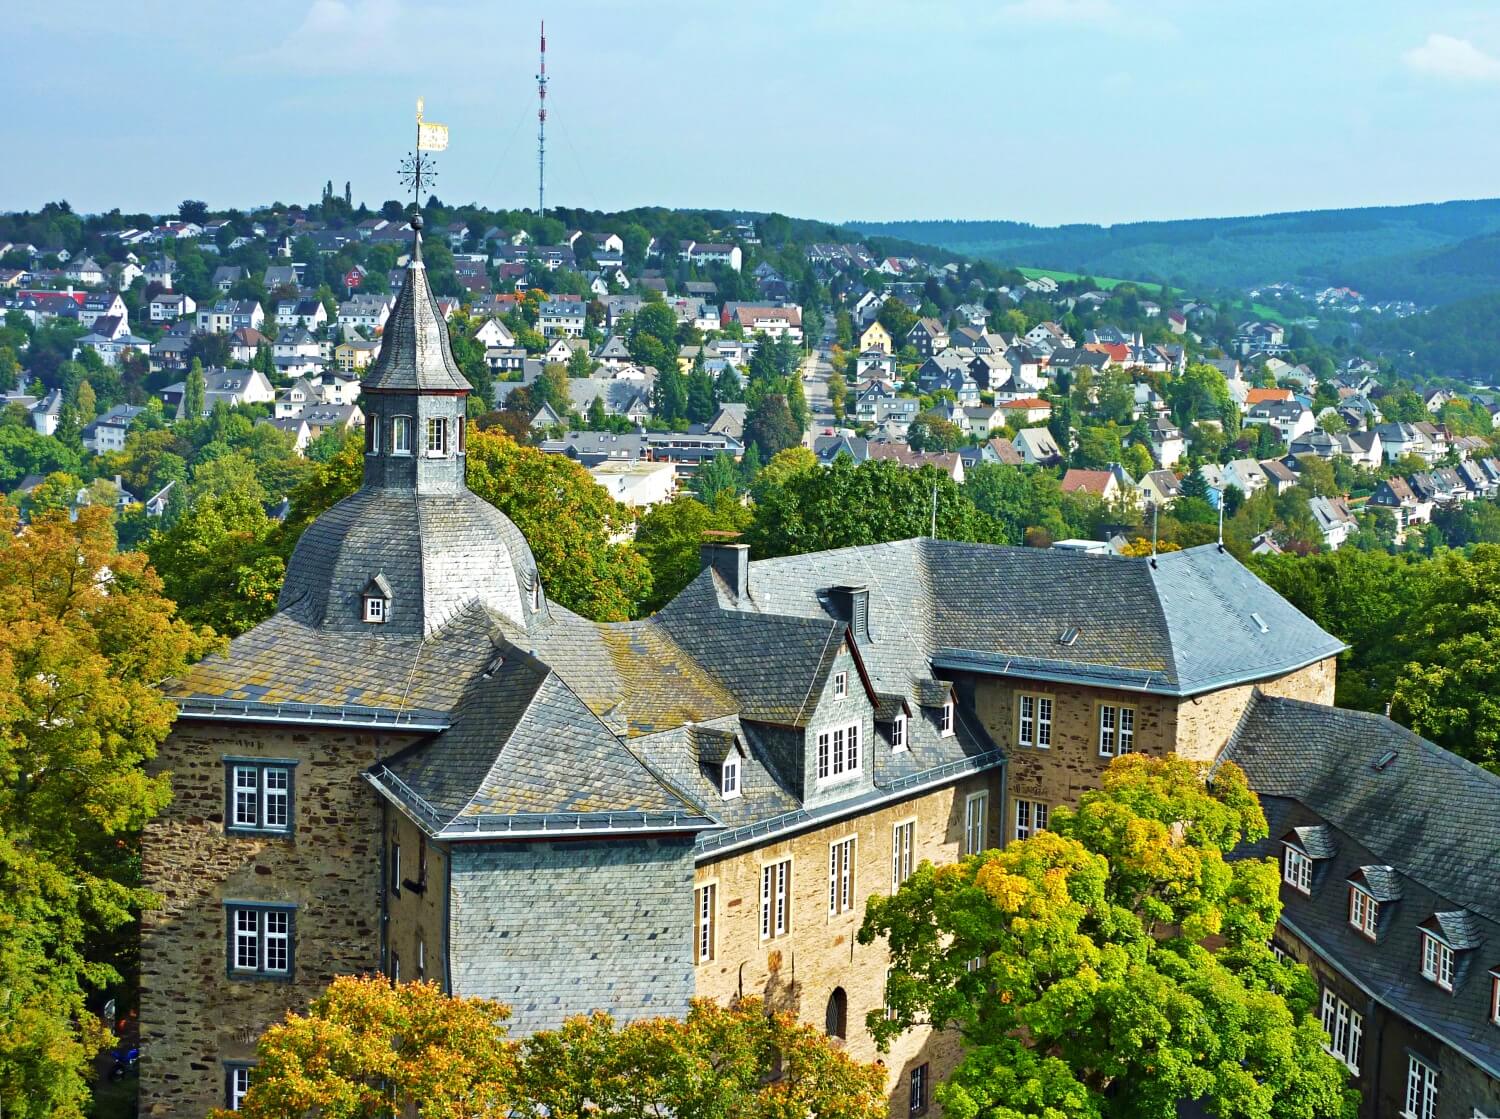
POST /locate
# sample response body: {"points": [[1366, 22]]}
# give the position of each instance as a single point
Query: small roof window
{"points": [[376, 599]]}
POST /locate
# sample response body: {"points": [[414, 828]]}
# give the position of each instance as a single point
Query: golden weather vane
{"points": [[418, 168]]}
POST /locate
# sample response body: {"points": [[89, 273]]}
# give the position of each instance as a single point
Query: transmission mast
{"points": [[541, 129]]}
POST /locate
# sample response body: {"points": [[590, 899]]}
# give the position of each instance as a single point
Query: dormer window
{"points": [[372, 434], [376, 598], [898, 733], [536, 592], [1437, 961], [945, 718], [1296, 869], [437, 437], [840, 685], [729, 776], [1363, 911]]}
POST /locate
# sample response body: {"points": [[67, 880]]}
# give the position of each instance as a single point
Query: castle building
{"points": [[423, 767]]}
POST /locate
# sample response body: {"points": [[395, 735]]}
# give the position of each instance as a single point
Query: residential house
{"points": [[232, 387], [948, 463], [1107, 485], [1287, 418], [493, 332], [775, 322], [1167, 443], [229, 315], [170, 306], [701, 254], [365, 312], [638, 484], [876, 337], [107, 432], [159, 272], [356, 354], [1278, 475], [1037, 447], [1334, 520], [1397, 440], [1023, 411], [224, 278], [562, 318], [928, 336], [1159, 488], [1398, 498]]}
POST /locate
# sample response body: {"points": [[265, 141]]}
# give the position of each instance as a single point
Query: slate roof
{"points": [[414, 350], [1421, 831]]}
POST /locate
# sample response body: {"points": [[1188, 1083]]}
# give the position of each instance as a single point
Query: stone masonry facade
{"points": [[800, 970], [194, 1017]]}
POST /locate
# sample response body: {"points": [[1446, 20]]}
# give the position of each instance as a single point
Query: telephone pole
{"points": [[541, 128]]}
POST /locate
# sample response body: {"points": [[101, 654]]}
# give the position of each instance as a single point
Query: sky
{"points": [[1046, 111]]}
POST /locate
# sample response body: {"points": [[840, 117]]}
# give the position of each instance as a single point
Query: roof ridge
{"points": [[546, 672]]}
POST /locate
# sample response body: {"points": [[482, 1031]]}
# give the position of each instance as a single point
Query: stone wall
{"points": [[1195, 728], [415, 914], [193, 1017], [800, 970], [1204, 723], [554, 929]]}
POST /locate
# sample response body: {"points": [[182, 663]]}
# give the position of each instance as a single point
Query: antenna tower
{"points": [[541, 129]]}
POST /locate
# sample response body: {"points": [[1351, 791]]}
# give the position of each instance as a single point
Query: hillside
{"points": [[1460, 339], [1430, 253]]}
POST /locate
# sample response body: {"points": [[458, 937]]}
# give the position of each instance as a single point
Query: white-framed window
{"points": [[1116, 730], [838, 752], [260, 940], [236, 1085], [1281, 954], [395, 867], [536, 593], [372, 434], [401, 435], [437, 436], [421, 959], [260, 796], [841, 876], [1031, 817], [775, 894], [840, 684], [976, 817], [898, 733], [903, 839], [1296, 869], [945, 718], [1421, 1089], [729, 776], [1364, 911], [918, 1095], [705, 906], [1034, 720], [1437, 961], [395, 970], [886, 1004], [1345, 1029], [374, 608], [1495, 999]]}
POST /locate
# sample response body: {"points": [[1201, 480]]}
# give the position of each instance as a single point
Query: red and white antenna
{"points": [[541, 128]]}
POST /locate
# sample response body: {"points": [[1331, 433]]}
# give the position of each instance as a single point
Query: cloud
{"points": [[1454, 60], [345, 36]]}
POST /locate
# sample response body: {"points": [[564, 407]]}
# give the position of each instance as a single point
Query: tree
{"points": [[771, 427], [874, 502], [580, 364], [1091, 933], [219, 562], [670, 535], [193, 210], [1098, 446], [85, 637], [570, 521], [935, 434], [670, 404], [88, 402], [1018, 498], [195, 392], [367, 1049], [700, 405], [1194, 484], [719, 477]]}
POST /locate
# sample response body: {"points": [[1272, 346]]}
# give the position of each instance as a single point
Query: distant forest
{"points": [[1431, 253]]}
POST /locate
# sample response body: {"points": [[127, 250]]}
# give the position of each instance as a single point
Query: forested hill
{"points": [[1429, 253]]}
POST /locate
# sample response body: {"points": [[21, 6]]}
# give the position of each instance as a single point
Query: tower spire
{"points": [[541, 128]]}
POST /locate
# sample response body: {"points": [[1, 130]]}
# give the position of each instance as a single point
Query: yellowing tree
{"points": [[85, 637]]}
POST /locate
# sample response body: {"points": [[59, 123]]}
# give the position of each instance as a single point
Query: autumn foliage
{"points": [[367, 1049]]}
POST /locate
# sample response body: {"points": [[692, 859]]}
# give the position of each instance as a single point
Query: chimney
{"points": [[732, 562], [853, 605]]}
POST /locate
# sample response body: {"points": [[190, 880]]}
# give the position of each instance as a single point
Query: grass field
{"points": [[1104, 282]]}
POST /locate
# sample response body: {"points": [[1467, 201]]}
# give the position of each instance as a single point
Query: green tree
{"points": [[1098, 446], [195, 394], [671, 395], [88, 402], [874, 502], [701, 405], [85, 638], [670, 536], [580, 364], [220, 561], [718, 477], [771, 427], [570, 521], [1094, 931], [1018, 498]]}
